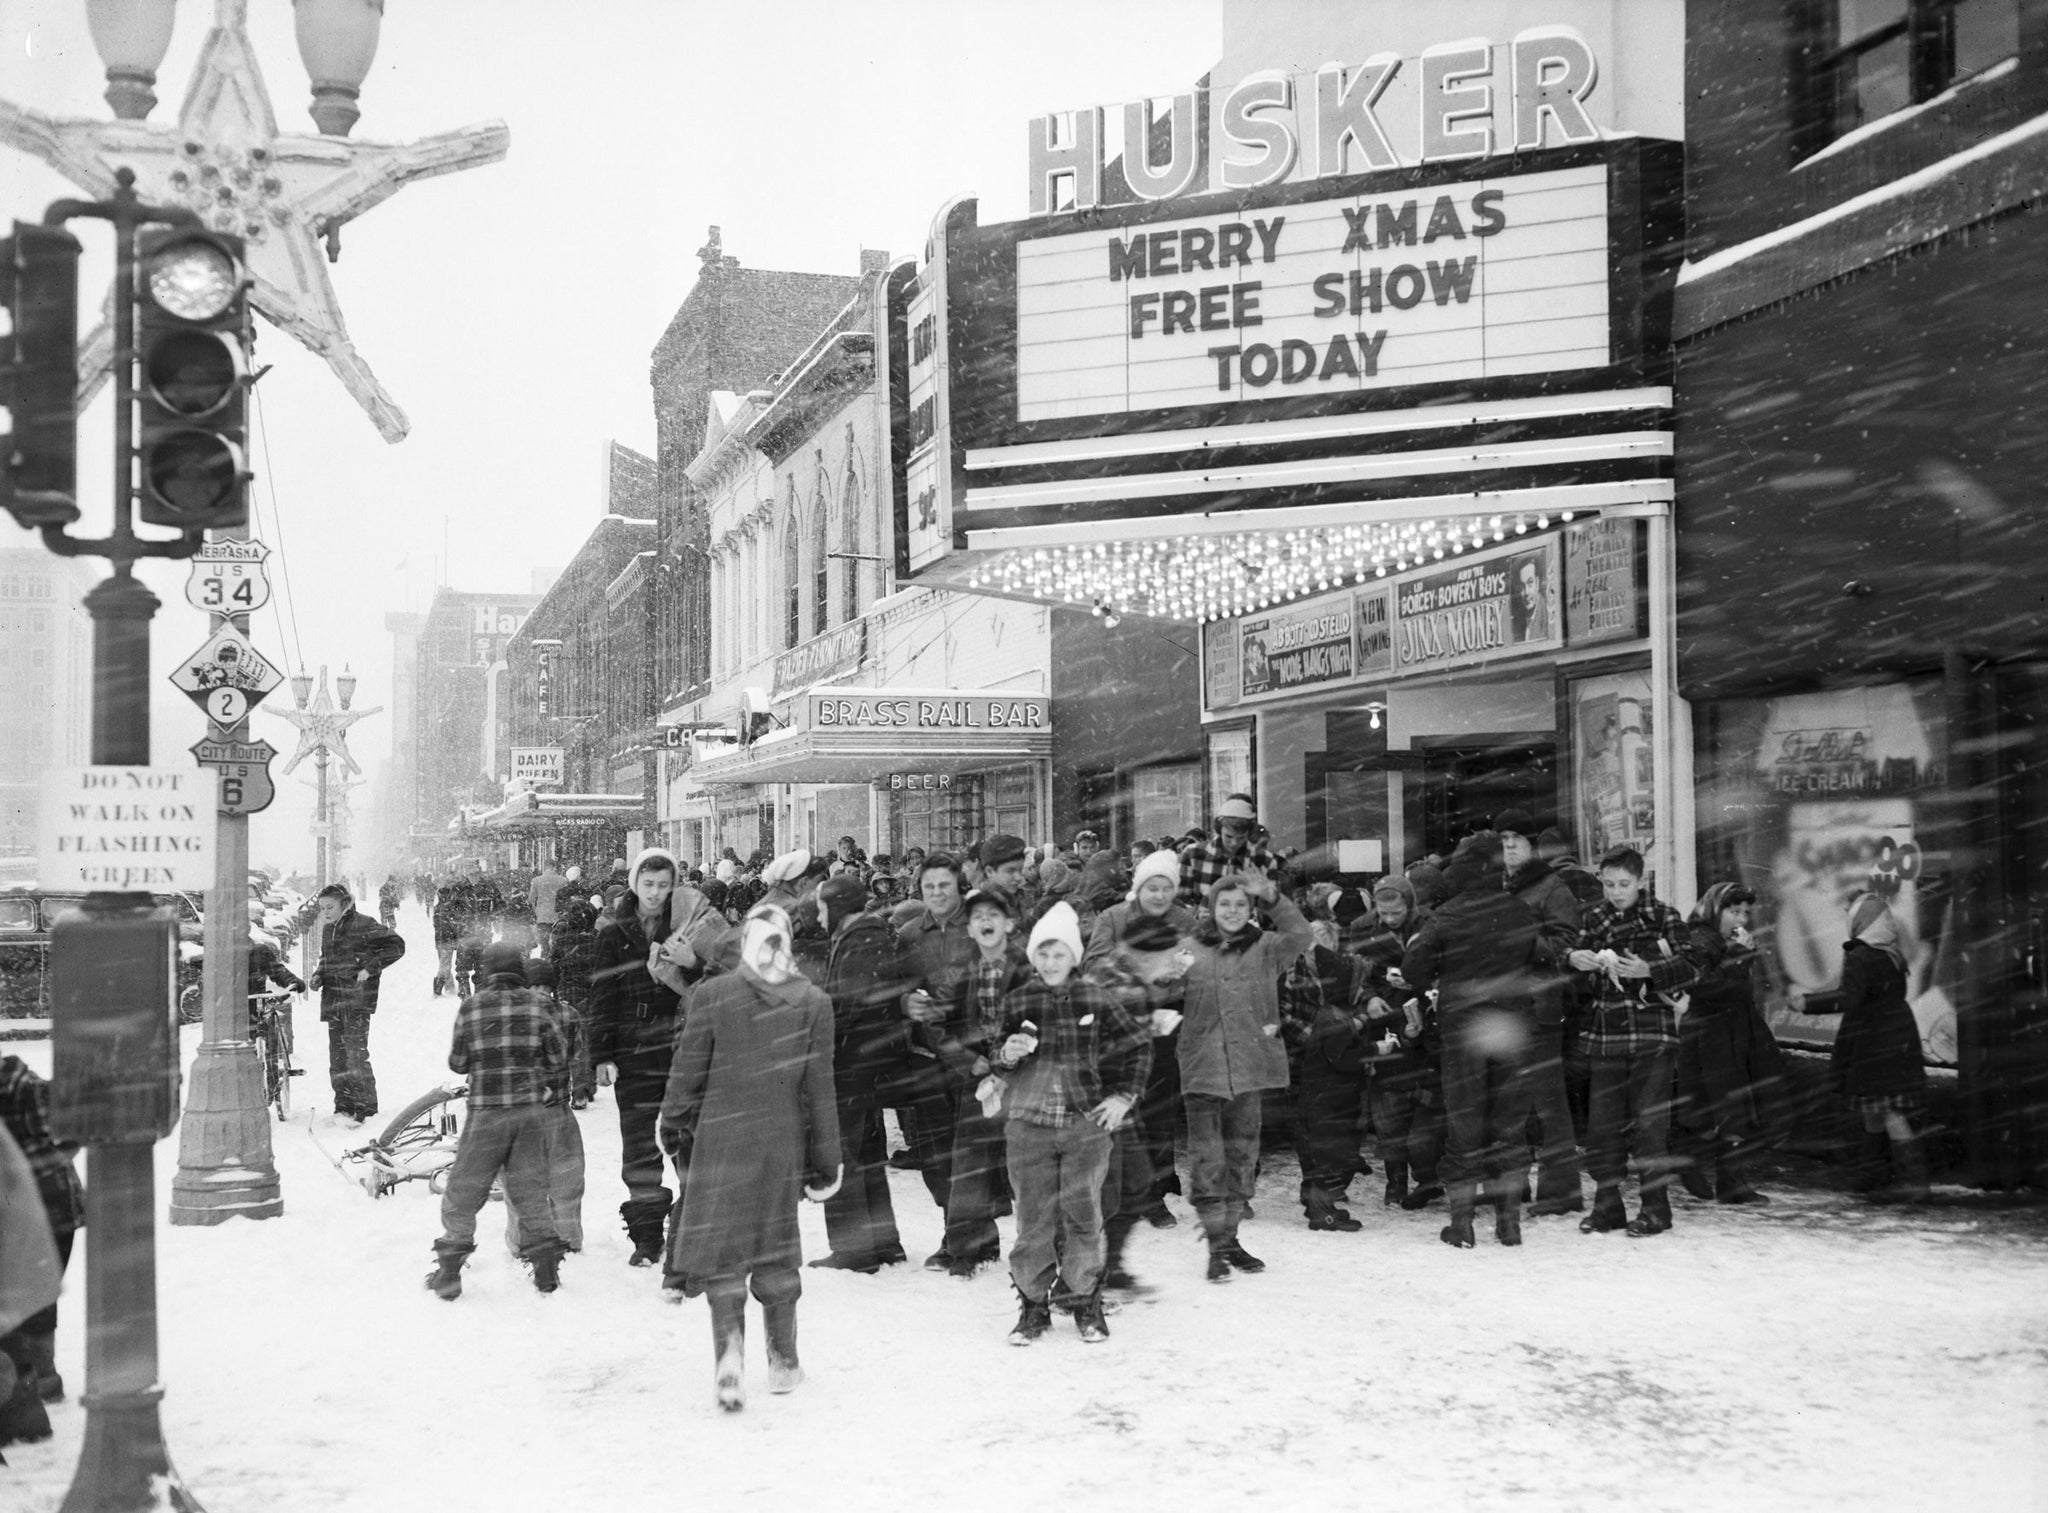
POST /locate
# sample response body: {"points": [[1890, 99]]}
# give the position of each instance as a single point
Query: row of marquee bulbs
{"points": [[1215, 577]]}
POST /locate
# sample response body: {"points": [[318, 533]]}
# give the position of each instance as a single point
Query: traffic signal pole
{"points": [[123, 1464]]}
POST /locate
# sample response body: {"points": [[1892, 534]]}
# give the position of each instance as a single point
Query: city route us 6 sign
{"points": [[227, 677], [244, 768], [229, 578]]}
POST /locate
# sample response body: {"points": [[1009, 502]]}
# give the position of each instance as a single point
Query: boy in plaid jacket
{"points": [[1074, 1063], [1634, 951], [509, 1045]]}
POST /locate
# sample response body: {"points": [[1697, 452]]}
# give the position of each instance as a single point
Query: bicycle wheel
{"points": [[278, 1068]]}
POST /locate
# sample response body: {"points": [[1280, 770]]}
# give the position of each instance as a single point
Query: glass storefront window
{"points": [[1813, 798]]}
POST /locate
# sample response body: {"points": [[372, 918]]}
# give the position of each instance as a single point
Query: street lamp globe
{"points": [[302, 687], [131, 37], [345, 685], [337, 42]]}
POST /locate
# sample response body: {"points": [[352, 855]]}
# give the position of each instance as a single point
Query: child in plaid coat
{"points": [[1074, 1063]]}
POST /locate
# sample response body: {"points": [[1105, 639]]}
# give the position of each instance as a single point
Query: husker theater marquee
{"points": [[1205, 405]]}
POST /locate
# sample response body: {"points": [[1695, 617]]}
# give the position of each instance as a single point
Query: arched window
{"points": [[792, 582], [849, 539], [821, 565]]}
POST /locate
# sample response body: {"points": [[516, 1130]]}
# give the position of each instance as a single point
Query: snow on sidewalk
{"points": [[1810, 1355]]}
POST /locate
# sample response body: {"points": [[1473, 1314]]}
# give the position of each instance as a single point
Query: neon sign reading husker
{"points": [[1458, 100]]}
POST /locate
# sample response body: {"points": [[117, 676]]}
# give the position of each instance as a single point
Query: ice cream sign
{"points": [[1481, 278]]}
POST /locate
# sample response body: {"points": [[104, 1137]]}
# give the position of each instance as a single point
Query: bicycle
{"points": [[270, 1028], [417, 1145]]}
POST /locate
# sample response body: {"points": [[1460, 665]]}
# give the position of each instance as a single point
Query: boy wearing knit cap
{"points": [[1074, 1064]]}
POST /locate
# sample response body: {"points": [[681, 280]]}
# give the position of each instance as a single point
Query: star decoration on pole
{"points": [[322, 727], [287, 194]]}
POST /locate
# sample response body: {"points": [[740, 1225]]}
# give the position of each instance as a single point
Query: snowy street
{"points": [[1812, 1354]]}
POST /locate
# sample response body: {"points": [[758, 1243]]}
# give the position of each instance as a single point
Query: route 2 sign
{"points": [[229, 578], [226, 677], [244, 769]]}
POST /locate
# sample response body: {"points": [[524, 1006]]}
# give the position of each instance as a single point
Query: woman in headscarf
{"points": [[1877, 1053], [1731, 1078], [750, 1121]]}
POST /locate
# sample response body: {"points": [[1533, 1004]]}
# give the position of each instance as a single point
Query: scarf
{"points": [[1707, 911], [1870, 921], [765, 959]]}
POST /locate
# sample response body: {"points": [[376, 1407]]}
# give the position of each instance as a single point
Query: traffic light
{"points": [[39, 375], [192, 378]]}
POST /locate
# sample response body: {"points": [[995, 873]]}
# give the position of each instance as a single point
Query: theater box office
{"points": [[1400, 445]]}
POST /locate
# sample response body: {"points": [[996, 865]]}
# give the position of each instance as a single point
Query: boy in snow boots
{"points": [[967, 1039], [510, 1047], [1143, 974], [1634, 950], [1074, 1061]]}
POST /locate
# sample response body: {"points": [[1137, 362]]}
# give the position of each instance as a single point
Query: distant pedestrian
{"points": [[748, 1115], [509, 1046], [354, 954], [544, 896], [387, 901]]}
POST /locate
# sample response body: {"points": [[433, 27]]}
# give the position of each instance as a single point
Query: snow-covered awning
{"points": [[531, 812]]}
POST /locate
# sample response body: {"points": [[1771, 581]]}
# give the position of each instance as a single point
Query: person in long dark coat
{"points": [[750, 1119], [1877, 1056], [1731, 1090]]}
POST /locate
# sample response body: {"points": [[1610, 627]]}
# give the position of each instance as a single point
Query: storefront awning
{"points": [[532, 813], [863, 735]]}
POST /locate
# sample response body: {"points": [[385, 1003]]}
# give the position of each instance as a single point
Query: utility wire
{"points": [[284, 561]]}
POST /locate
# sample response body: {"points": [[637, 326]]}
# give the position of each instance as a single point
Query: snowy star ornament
{"points": [[322, 726], [285, 194]]}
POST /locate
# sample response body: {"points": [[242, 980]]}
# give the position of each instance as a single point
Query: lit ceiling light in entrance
{"points": [[1211, 577]]}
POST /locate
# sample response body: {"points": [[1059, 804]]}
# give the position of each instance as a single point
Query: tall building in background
{"points": [[455, 747], [45, 682]]}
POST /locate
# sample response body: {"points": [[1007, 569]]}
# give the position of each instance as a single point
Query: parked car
{"points": [[26, 915]]}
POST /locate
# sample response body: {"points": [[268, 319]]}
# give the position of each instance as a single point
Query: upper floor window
{"points": [[821, 567], [849, 539], [792, 583], [1881, 56]]}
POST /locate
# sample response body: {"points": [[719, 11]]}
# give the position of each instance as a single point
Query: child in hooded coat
{"points": [[750, 1118]]}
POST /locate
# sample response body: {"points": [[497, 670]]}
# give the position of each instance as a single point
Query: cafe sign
{"points": [[826, 656]]}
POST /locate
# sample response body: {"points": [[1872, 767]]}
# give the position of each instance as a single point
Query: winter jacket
{"points": [[1478, 950], [1089, 1048], [572, 948], [1877, 1050], [867, 973], [544, 893], [630, 1012], [1558, 920], [1381, 952], [1230, 1040], [961, 1039], [938, 955], [25, 1111], [1731, 1075], [751, 1092], [1322, 1008], [452, 909], [1109, 926], [1632, 1014], [354, 943]]}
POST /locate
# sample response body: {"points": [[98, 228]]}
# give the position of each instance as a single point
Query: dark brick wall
{"points": [[735, 330]]}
